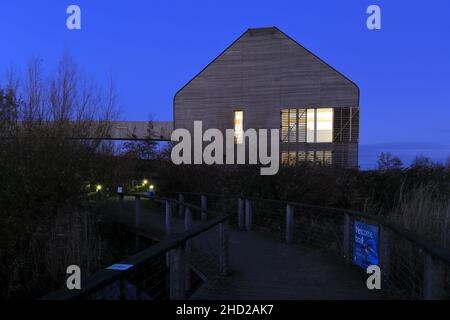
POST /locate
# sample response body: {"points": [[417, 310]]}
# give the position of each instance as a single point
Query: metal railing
{"points": [[411, 267], [171, 269]]}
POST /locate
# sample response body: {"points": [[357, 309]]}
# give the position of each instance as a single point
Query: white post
{"points": [[289, 223], [204, 205], [248, 215], [240, 213]]}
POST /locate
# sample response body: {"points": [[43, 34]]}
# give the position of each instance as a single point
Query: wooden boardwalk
{"points": [[264, 268]]}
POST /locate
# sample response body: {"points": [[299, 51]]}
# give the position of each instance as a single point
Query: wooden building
{"points": [[266, 80]]}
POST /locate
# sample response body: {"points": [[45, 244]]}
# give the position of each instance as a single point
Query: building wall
{"points": [[261, 73]]}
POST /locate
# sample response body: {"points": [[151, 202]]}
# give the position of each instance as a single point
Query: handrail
{"points": [[437, 251], [107, 276], [174, 201], [177, 242]]}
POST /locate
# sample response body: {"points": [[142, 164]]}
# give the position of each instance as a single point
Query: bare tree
{"points": [[422, 162], [387, 161], [44, 170], [66, 104], [142, 149]]}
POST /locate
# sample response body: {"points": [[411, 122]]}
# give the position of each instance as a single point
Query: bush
{"points": [[417, 197]]}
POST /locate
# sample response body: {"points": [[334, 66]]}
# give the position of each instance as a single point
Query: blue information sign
{"points": [[365, 248]]}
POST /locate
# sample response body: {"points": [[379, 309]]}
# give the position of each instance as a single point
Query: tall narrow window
{"points": [[285, 125], [324, 125], [292, 125], [311, 125], [239, 127], [302, 125]]}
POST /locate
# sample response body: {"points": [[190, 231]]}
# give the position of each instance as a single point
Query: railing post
{"points": [[122, 289], [138, 211], [223, 254], [120, 204], [385, 261], [248, 215], [169, 220], [187, 250], [289, 223], [204, 204], [181, 205], [240, 213], [434, 279], [187, 219], [169, 227], [347, 232], [177, 274]]}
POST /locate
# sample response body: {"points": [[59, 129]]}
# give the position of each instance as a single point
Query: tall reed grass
{"points": [[425, 210]]}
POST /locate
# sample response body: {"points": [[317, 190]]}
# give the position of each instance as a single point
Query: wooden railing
{"points": [[412, 267], [169, 260]]}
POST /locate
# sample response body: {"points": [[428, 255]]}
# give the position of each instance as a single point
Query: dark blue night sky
{"points": [[152, 48]]}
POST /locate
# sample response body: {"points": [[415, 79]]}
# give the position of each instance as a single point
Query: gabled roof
{"points": [[254, 31]]}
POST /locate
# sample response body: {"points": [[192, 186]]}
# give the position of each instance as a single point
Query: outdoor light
{"points": [[145, 182], [152, 187], [98, 187]]}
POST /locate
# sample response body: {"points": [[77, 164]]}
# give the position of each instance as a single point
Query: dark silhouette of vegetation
{"points": [[46, 178], [141, 149], [386, 161], [417, 196]]}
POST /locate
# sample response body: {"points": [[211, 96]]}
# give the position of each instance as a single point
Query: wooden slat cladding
{"points": [[346, 125], [345, 155]]}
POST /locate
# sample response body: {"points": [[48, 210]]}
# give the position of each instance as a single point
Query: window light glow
{"points": [[311, 125], [239, 127], [324, 125]]}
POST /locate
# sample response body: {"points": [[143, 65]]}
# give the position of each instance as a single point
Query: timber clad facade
{"points": [[266, 80]]}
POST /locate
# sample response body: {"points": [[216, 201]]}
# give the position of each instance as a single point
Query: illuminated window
{"points": [[292, 158], [289, 158], [284, 158], [310, 157], [312, 125], [321, 158], [301, 156], [239, 127], [324, 125], [289, 119]]}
